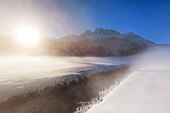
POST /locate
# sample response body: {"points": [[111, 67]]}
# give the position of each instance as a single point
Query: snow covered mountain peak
{"points": [[111, 41], [131, 34], [99, 30], [100, 33], [105, 34], [105, 31]]}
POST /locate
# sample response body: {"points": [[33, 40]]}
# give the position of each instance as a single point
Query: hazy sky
{"points": [[57, 18]]}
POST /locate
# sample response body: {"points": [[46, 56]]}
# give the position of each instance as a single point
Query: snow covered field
{"points": [[147, 90], [20, 74]]}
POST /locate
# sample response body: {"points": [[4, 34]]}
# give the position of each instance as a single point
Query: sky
{"points": [[57, 18]]}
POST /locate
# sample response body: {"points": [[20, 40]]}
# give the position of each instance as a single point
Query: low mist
{"points": [[154, 57]]}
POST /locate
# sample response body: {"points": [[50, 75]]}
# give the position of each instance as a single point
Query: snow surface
{"points": [[20, 74], [147, 90]]}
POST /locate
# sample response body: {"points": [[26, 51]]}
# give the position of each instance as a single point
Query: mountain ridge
{"points": [[113, 42], [99, 33]]}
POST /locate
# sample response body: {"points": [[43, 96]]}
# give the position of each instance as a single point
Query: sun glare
{"points": [[27, 35]]}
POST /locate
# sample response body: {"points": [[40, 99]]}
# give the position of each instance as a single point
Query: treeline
{"points": [[81, 48]]}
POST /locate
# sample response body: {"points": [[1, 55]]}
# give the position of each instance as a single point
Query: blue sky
{"points": [[56, 18]]}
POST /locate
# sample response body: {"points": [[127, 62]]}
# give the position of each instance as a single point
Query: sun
{"points": [[27, 35]]}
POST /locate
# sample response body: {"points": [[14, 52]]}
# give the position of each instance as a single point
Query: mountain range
{"points": [[100, 42], [109, 42]]}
